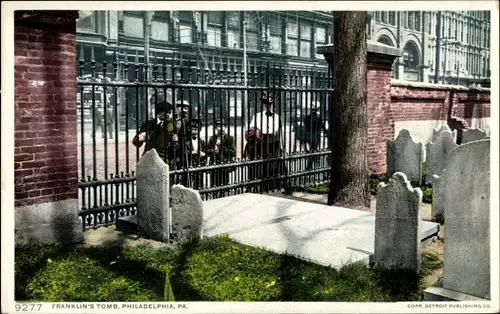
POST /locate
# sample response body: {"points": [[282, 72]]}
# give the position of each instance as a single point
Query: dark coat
{"points": [[226, 152]]}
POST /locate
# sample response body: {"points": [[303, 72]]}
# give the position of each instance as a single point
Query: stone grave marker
{"points": [[435, 133], [404, 155], [438, 153], [472, 135], [467, 218], [187, 214], [153, 218], [397, 224], [438, 191]]}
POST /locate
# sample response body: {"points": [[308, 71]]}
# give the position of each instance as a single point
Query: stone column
{"points": [[45, 153], [380, 122]]}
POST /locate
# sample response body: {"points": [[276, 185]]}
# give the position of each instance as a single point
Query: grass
{"points": [[215, 269]]}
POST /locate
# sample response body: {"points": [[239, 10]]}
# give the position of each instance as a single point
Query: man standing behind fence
{"points": [[221, 149], [313, 127], [157, 133], [267, 146], [197, 152]]}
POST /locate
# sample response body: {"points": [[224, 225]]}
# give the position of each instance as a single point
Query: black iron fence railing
{"points": [[225, 141]]}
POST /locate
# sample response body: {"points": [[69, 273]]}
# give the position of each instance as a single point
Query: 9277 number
{"points": [[28, 307]]}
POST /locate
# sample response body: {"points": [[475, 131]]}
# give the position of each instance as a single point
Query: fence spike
{"points": [[92, 55], [81, 58], [213, 64]]}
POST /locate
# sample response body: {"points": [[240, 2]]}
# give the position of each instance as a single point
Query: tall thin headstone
{"points": [[438, 191], [404, 155], [153, 217], [187, 214], [473, 135], [397, 225], [467, 217], [438, 153]]}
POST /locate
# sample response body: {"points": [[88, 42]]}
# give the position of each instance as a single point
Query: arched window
{"points": [[385, 40], [410, 56]]}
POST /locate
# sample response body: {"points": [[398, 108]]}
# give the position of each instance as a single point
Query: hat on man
{"points": [[219, 122], [163, 106], [182, 103], [195, 123]]}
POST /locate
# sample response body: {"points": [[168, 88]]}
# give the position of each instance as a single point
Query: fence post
{"points": [[46, 154], [380, 123]]}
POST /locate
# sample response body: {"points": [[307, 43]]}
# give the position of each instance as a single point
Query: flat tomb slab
{"points": [[326, 235]]}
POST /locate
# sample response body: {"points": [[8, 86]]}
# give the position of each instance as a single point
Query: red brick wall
{"points": [[408, 101], [45, 153]]}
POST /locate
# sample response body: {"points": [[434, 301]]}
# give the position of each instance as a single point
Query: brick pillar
{"points": [[45, 156], [380, 122]]}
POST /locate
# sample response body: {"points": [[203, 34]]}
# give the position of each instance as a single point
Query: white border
{"points": [[7, 127]]}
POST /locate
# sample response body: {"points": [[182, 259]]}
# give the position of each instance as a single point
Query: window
{"points": [[87, 21], [275, 44], [291, 46], [305, 40], [384, 17], [377, 16], [233, 33], [159, 30], [417, 21], [274, 25], [411, 20], [292, 39], [252, 30], [410, 57], [214, 36], [133, 26], [320, 40], [214, 28], [305, 49], [392, 18], [185, 33]]}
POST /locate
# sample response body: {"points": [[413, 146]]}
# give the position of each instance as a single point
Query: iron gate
{"points": [[116, 96]]}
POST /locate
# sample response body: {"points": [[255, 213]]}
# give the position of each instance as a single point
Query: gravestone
{"points": [[467, 217], [397, 225], [187, 214], [435, 133], [472, 135], [404, 155], [153, 218], [438, 153], [438, 191]]}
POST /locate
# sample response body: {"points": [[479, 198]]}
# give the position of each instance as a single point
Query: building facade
{"points": [[464, 45], [208, 38]]}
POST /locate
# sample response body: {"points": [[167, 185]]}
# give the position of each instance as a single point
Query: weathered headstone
{"points": [[467, 217], [435, 133], [472, 135], [438, 153], [153, 219], [397, 225], [187, 214], [404, 155], [438, 191]]}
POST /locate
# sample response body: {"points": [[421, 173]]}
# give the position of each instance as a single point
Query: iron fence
{"points": [[117, 96]]}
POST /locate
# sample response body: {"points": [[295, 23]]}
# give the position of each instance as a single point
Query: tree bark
{"points": [[349, 186]]}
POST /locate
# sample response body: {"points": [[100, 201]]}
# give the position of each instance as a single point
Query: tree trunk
{"points": [[349, 121]]}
